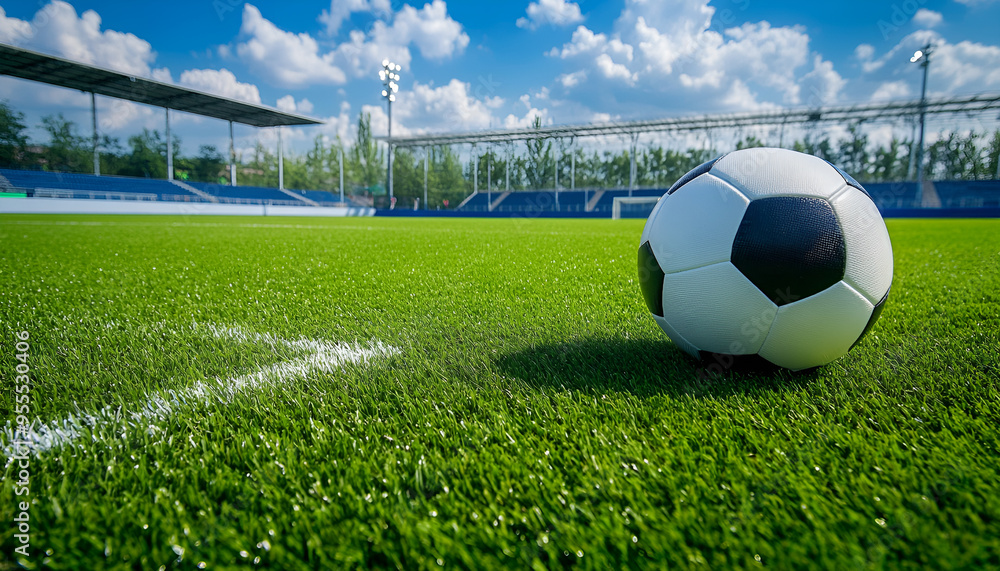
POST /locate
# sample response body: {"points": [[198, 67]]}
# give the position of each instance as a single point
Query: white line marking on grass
{"points": [[319, 356]]}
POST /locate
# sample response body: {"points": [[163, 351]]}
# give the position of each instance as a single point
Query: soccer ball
{"points": [[769, 252]]}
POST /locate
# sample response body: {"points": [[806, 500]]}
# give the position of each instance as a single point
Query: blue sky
{"points": [[472, 65]]}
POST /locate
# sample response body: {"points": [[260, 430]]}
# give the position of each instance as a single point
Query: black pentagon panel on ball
{"points": [[850, 179], [694, 173], [790, 247], [875, 315], [651, 280]]}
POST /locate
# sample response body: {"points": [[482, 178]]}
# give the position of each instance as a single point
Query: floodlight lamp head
{"points": [[916, 56], [385, 63], [392, 98], [384, 93]]}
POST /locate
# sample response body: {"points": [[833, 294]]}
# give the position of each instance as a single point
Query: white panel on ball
{"points": [[869, 251], [818, 329], [717, 309], [695, 226], [676, 337], [762, 172], [652, 215]]}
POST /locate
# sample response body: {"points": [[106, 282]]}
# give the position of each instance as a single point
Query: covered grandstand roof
{"points": [[34, 66]]}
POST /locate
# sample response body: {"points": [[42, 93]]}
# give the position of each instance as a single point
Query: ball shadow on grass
{"points": [[645, 367]]}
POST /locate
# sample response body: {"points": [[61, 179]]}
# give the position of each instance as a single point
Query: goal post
{"points": [[632, 212]]}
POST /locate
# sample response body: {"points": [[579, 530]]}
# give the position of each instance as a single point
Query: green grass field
{"points": [[305, 393]]}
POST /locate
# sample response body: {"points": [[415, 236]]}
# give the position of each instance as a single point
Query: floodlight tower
{"points": [[923, 57], [390, 78]]}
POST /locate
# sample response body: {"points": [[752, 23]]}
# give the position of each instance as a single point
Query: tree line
{"points": [[953, 156]]}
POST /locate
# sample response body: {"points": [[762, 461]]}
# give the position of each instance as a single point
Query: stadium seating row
{"points": [[87, 185], [552, 201], [968, 193], [952, 194], [72, 185]]}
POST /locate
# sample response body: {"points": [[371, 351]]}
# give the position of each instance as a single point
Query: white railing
{"points": [[93, 194]]}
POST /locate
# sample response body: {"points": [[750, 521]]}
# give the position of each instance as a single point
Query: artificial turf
{"points": [[533, 416]]}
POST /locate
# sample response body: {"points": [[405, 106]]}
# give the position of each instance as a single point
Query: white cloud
{"points": [[927, 18], [965, 67], [822, 85], [740, 97], [612, 70], [551, 12], [287, 59], [891, 90], [586, 42], [220, 82], [296, 60], [57, 29], [670, 44], [341, 10], [962, 68], [450, 107], [162, 75], [343, 125], [12, 30], [361, 56], [289, 105], [527, 119], [454, 106], [572, 79], [431, 29]]}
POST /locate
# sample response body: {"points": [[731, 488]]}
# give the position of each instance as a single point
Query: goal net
{"points": [[632, 206]]}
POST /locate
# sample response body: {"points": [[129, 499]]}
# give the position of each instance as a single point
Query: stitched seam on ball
{"points": [[697, 267], [840, 191], [860, 291], [729, 184]]}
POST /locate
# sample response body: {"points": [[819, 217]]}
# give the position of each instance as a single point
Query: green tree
{"points": [[261, 169], [148, 155], [446, 181], [13, 141], [407, 177], [993, 156], [67, 151], [749, 142], [113, 157], [854, 152], [888, 163], [538, 169], [366, 159], [209, 165]]}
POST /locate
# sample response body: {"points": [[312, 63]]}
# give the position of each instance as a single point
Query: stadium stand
{"points": [[476, 203], [968, 193], [889, 195], [323, 197], [532, 201], [544, 201], [893, 194], [246, 194], [71, 185]]}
